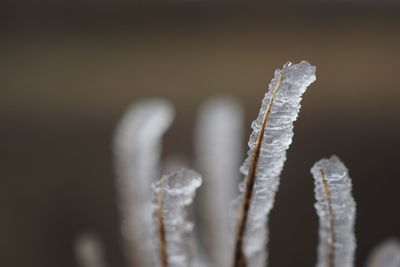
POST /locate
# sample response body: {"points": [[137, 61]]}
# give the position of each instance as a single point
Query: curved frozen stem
{"points": [[271, 137], [137, 148]]}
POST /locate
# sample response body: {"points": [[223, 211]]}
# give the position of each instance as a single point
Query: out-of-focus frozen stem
{"points": [[89, 251], [386, 254], [218, 146], [137, 147]]}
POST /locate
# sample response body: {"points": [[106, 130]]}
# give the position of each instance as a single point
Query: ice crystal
{"points": [[271, 137], [137, 147], [386, 254], [218, 148], [336, 210], [172, 194], [89, 251]]}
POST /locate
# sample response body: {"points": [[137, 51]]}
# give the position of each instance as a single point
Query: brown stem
{"points": [[161, 228], [239, 256], [331, 248]]}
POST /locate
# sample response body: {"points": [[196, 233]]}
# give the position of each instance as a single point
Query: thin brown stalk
{"points": [[239, 256], [331, 248], [161, 228]]}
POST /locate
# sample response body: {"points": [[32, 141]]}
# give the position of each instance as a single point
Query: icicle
{"points": [[386, 254], [218, 149], [174, 235], [271, 137], [137, 148], [336, 210], [89, 251]]}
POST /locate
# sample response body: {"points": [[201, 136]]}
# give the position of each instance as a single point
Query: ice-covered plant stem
{"points": [[271, 137], [336, 210], [137, 148], [172, 194], [219, 149]]}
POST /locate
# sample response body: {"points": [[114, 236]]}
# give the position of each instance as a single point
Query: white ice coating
{"points": [[276, 140], [137, 148], [178, 191], [386, 254], [89, 251], [218, 149], [336, 211]]}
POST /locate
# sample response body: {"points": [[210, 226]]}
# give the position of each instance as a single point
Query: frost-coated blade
{"points": [[271, 137]]}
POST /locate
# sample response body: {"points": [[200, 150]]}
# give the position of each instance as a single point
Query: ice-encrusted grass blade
{"points": [[240, 257], [386, 254], [218, 146], [172, 195], [336, 210], [271, 137], [137, 149]]}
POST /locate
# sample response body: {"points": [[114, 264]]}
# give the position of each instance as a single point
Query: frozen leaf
{"points": [[271, 137], [137, 147], [336, 210]]}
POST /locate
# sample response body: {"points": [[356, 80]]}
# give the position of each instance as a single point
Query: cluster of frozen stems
{"points": [[156, 215]]}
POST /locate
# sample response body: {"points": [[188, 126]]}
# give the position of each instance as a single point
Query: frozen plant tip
{"points": [[336, 210], [271, 137], [386, 254], [171, 197]]}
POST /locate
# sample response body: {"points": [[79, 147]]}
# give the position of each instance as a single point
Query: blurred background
{"points": [[68, 71]]}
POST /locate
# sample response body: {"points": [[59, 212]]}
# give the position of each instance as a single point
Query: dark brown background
{"points": [[68, 71]]}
